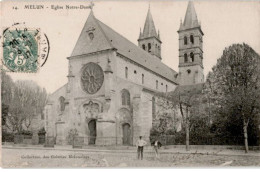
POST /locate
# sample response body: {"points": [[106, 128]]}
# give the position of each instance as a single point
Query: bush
{"points": [[42, 131], [7, 137], [26, 133]]}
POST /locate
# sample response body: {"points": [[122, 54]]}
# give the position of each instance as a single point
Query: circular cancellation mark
{"points": [[24, 49]]}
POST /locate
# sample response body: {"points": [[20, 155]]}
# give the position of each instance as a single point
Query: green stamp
{"points": [[21, 49]]}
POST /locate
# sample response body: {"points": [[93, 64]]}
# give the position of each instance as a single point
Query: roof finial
{"points": [[149, 5], [91, 5]]}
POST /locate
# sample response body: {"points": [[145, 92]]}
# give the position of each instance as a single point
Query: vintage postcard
{"points": [[130, 84]]}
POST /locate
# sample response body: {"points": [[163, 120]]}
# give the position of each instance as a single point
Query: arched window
{"points": [[143, 46], [149, 47], [192, 56], [91, 36], [156, 84], [185, 40], [125, 95], [142, 78], [126, 72], [153, 108], [62, 103], [185, 58], [192, 39]]}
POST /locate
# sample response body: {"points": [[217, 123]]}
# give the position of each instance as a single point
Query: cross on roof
{"points": [[91, 5]]}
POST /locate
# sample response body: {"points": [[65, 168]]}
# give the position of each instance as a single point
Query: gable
{"points": [[84, 43]]}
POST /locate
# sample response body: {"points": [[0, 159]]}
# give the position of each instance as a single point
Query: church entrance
{"points": [[92, 132], [126, 134]]}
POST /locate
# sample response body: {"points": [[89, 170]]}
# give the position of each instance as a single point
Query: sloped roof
{"points": [[137, 54], [191, 20], [107, 38], [189, 89], [149, 27], [183, 93]]}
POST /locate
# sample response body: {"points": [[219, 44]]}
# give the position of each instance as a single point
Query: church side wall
{"points": [[149, 77], [54, 116]]}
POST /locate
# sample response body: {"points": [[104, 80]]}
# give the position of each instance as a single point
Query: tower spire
{"points": [[149, 40], [149, 27], [190, 20]]}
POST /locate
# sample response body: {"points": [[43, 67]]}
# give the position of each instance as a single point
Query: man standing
{"points": [[140, 147]]}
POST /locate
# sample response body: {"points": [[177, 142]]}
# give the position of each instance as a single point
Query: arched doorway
{"points": [[126, 134], [92, 132]]}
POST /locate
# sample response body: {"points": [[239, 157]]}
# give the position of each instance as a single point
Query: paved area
{"points": [[96, 157]]}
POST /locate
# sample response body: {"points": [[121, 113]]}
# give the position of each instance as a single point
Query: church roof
{"points": [[191, 20], [108, 39], [188, 89], [149, 27]]}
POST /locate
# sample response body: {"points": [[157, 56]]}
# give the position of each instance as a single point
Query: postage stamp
{"points": [[21, 49]]}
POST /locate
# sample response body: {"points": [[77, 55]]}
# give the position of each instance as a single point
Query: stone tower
{"points": [[149, 40], [190, 49]]}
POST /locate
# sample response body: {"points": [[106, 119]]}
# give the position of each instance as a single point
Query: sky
{"points": [[223, 23]]}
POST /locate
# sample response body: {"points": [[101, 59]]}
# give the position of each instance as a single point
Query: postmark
{"points": [[24, 49]]}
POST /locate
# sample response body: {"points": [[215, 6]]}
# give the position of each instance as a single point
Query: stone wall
{"points": [[149, 77]]}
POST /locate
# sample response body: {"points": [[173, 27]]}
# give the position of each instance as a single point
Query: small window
{"points": [[166, 88], [192, 56], [62, 103], [156, 84], [185, 58], [149, 47], [142, 78], [161, 83], [143, 46], [91, 36], [125, 95], [188, 71], [185, 40], [126, 72], [135, 71], [192, 39]]}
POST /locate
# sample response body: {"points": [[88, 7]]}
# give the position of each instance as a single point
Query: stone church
{"points": [[110, 95]]}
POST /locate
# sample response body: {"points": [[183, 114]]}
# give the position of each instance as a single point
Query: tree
{"points": [[6, 94], [236, 79], [167, 116], [22, 101], [29, 102], [188, 97], [185, 99]]}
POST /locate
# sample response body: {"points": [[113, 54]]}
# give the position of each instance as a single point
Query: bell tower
{"points": [[190, 49], [149, 40]]}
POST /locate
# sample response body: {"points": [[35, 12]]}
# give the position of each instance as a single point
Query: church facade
{"points": [[110, 97]]}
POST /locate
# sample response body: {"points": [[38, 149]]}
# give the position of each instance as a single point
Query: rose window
{"points": [[92, 78]]}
